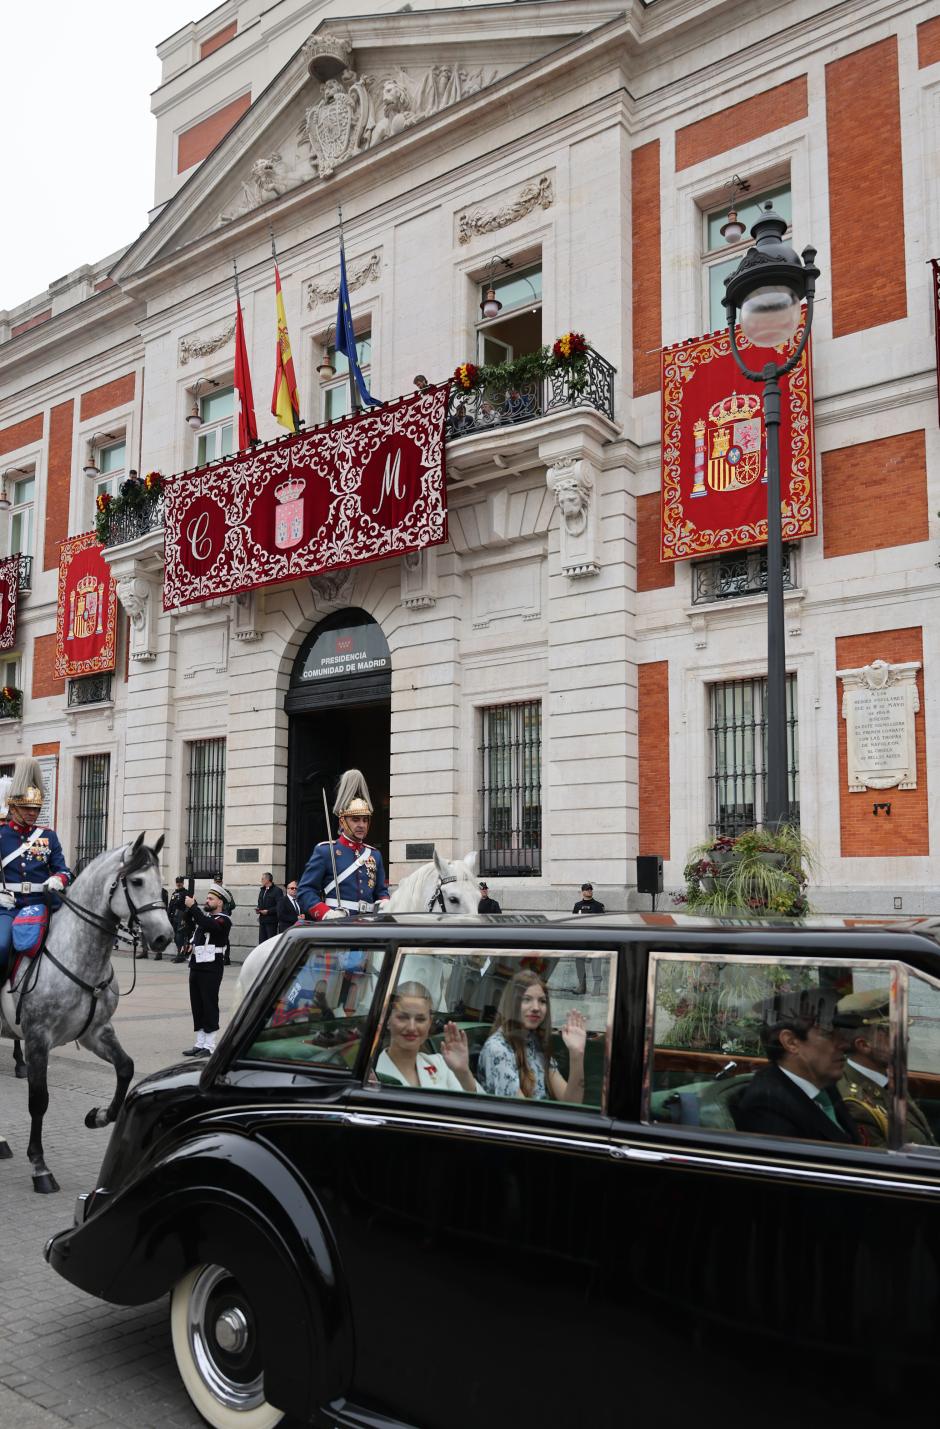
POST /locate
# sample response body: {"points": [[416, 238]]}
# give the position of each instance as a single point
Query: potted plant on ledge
{"points": [[759, 873]]}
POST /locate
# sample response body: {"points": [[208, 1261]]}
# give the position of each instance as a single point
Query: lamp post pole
{"points": [[769, 285]]}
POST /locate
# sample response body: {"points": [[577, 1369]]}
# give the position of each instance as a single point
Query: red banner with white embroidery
{"points": [[9, 593], [714, 488], [359, 490], [86, 619]]}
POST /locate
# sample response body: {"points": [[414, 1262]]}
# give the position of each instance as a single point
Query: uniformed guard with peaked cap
{"points": [[864, 1022], [31, 857], [360, 872]]}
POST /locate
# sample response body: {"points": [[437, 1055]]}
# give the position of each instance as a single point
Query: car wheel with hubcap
{"points": [[215, 1341]]}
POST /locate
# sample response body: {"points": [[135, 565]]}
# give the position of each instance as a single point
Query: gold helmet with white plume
{"points": [[27, 787], [352, 799]]}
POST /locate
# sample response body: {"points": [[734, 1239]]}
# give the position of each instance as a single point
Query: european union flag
{"points": [[346, 337]]}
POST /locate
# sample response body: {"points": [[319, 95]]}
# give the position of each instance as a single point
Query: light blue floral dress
{"points": [[498, 1073]]}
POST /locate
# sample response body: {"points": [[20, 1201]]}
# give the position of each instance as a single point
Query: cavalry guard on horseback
{"points": [[345, 875], [32, 865]]}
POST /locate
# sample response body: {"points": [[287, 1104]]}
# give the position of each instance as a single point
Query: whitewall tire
{"points": [[215, 1342]]}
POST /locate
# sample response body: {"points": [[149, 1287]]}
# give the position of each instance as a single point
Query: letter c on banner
{"points": [[197, 534]]}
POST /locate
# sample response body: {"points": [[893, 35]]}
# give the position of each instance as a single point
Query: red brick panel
{"points": [[928, 42], [58, 482], [874, 495], [45, 680], [20, 434], [651, 572], [647, 268], [905, 834], [27, 323], [51, 747], [216, 41], [742, 122], [653, 757], [106, 398], [200, 139], [866, 198]]}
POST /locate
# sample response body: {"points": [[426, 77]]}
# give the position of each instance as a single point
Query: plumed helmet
{"points": [[352, 796], [27, 787]]}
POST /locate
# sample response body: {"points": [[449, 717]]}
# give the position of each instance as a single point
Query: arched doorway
{"points": [[339, 708]]}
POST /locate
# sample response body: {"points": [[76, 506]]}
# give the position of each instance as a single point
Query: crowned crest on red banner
{"points": [[714, 491], [86, 619], [360, 490], [9, 593]]}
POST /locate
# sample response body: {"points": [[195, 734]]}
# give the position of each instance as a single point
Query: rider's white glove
{"points": [[382, 905], [333, 913], [55, 884]]}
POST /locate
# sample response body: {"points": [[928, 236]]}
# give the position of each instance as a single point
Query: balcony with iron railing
{"points": [[25, 575], [130, 522], [11, 703], [735, 574], [508, 398], [89, 690]]}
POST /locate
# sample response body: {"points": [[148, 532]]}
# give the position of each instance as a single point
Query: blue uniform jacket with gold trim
{"points": [[366, 885], [41, 861]]}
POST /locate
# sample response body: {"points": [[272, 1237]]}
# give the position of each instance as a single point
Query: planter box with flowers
{"points": [[760, 873], [11, 702], [137, 509], [567, 374]]}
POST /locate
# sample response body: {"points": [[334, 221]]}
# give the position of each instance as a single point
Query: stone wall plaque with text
{"points": [[879, 702]]}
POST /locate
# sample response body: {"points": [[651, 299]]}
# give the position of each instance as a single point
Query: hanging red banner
{"points": [[714, 491], [9, 593], [359, 490], [86, 620]]}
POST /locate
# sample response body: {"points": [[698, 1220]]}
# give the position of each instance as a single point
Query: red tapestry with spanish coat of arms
{"points": [[86, 620], [714, 491], [9, 594], [359, 490]]}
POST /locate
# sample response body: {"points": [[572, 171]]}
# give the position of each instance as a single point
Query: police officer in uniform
{"points": [[31, 857], [360, 873], [206, 965], [864, 1022]]}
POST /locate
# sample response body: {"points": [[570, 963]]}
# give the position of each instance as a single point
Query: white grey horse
{"points": [[435, 887], [69, 993]]}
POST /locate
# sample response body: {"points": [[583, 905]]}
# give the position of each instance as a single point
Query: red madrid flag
{"points": [[247, 425]]}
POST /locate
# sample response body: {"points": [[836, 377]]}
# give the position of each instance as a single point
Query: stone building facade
{"points": [[553, 695]]}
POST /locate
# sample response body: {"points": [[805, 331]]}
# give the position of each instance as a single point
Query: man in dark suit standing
{"points": [[486, 903], [288, 908], [587, 904], [796, 1094], [268, 895]]}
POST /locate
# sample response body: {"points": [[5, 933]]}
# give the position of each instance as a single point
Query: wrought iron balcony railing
{"points": [[90, 690], [11, 707], [135, 521], [738, 573], [25, 581], [501, 404]]}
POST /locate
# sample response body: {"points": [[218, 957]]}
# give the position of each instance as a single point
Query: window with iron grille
{"points": [[511, 790], [205, 807], [94, 779], [738, 737]]}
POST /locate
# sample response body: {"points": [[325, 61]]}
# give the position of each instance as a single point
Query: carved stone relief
{"points": [[245, 616], [325, 290], [192, 347], [572, 482], [332, 589], [138, 595], [537, 193], [419, 579]]}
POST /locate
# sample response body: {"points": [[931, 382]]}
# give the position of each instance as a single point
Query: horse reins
{"points": [[438, 895]]}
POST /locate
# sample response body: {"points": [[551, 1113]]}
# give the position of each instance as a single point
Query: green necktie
{"points": [[824, 1102]]}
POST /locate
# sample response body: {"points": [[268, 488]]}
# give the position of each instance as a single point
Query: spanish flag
{"points": [[285, 404]]}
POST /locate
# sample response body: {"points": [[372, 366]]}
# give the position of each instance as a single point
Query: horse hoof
{"points": [[20, 1070], [91, 1120], [45, 1183], [5, 1152]]}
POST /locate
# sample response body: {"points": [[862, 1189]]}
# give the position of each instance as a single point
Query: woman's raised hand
{"points": [[454, 1049], [574, 1033]]}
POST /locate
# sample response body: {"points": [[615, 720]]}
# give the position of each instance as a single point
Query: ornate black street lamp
{"points": [[768, 287]]}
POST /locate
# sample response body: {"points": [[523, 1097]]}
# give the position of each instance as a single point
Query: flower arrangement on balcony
{"points": [[466, 375], [570, 348], [760, 873], [11, 702], [567, 356], [135, 494]]}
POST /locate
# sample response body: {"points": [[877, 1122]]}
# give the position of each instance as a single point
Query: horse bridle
{"points": [[114, 927], [438, 895]]}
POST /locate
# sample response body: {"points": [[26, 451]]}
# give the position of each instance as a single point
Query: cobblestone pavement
{"points": [[66, 1358]]}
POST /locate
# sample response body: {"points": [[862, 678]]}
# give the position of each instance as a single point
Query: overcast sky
{"points": [[76, 132]]}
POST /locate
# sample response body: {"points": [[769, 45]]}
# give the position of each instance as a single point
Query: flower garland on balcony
{"points": [[570, 348], [134, 494], [568, 355], [11, 702]]}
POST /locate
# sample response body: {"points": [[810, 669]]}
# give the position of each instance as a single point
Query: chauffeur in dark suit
{"points": [[796, 1095], [268, 895]]}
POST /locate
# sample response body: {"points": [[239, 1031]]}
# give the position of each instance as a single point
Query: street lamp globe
{"points": [[769, 284], [770, 316]]}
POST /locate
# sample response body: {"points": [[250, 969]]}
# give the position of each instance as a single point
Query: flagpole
{"points": [[300, 420], [354, 405], [246, 398]]}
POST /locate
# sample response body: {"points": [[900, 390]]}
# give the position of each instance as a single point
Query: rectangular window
{"points": [[112, 468], [737, 733], [94, 778], [216, 436], [320, 1009], [205, 808], [22, 516], [502, 1023], [511, 790], [335, 390], [721, 258], [516, 328], [733, 574]]}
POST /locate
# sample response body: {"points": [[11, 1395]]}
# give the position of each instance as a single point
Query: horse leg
{"points": [[19, 1063], [104, 1043], [37, 1066]]}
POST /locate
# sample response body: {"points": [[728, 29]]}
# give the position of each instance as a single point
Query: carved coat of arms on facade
{"points": [[334, 126]]}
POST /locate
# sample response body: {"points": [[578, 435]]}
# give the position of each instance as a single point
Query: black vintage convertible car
{"points": [[361, 1221]]}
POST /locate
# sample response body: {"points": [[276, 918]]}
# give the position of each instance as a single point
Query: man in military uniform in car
{"points": [[866, 1083], [360, 885], [32, 864]]}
